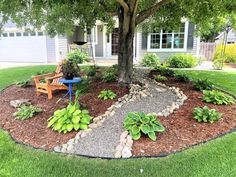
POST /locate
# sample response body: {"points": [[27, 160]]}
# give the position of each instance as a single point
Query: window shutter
{"points": [[190, 35], [144, 41]]}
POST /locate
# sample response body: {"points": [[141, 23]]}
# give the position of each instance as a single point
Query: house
{"points": [[17, 45], [231, 38]]}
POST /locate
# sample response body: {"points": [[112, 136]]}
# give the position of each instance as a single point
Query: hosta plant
{"points": [[206, 115], [203, 84], [107, 95], [160, 78], [26, 111], [24, 83], [217, 97], [70, 118], [138, 122], [182, 77]]}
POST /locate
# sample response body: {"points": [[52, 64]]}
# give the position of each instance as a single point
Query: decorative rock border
{"points": [[124, 149], [136, 92]]}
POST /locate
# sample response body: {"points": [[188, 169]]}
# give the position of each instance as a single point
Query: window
{"points": [[92, 35], [25, 34], [33, 34], [18, 34], [11, 34], [167, 40], [4, 34], [40, 33]]}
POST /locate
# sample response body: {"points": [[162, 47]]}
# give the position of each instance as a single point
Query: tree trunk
{"points": [[125, 57]]}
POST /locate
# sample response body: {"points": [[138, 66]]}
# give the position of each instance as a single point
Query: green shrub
{"points": [[182, 61], [107, 95], [83, 86], [91, 71], [206, 115], [70, 118], [182, 77], [26, 111], [160, 78], [164, 71], [70, 69], [217, 97], [203, 84], [109, 75], [77, 56], [151, 60], [230, 53], [218, 64], [138, 122], [24, 83]]}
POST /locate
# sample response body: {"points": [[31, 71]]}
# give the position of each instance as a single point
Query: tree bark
{"points": [[126, 38]]}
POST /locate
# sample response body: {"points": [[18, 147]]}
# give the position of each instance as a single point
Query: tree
{"points": [[60, 16]]}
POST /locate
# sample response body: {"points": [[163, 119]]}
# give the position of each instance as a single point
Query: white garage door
{"points": [[23, 47]]}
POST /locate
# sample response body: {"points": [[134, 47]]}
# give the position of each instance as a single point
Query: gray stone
{"points": [[118, 154], [93, 125], [18, 103], [119, 148], [83, 134], [57, 149], [126, 153]]}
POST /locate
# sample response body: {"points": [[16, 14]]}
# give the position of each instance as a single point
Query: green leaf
{"points": [[76, 126], [76, 119], [85, 120], [69, 127], [83, 126], [135, 129], [136, 136], [152, 136], [77, 112], [145, 129]]}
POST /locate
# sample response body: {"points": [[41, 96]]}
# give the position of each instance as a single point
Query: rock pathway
{"points": [[102, 141]]}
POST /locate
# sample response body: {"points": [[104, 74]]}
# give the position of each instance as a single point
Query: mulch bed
{"points": [[34, 131], [182, 130]]}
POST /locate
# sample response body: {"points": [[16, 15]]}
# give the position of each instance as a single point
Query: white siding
{"points": [[51, 50]]}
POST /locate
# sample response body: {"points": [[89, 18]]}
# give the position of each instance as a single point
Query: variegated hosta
{"points": [[138, 122], [70, 118]]}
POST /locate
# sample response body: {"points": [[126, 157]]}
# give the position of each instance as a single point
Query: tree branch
{"points": [[150, 11], [124, 5]]}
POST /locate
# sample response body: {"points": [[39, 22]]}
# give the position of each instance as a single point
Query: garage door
{"points": [[23, 47]]}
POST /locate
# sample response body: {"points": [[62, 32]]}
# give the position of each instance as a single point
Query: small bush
{"points": [[203, 84], [218, 64], [182, 61], [70, 69], [164, 71], [230, 53], [138, 122], [160, 78], [24, 83], [70, 118], [109, 74], [107, 95], [217, 97], [151, 60], [206, 115], [26, 111], [77, 56], [182, 77], [91, 71]]}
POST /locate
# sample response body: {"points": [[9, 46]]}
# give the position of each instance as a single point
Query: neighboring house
{"points": [[16, 45], [231, 38]]}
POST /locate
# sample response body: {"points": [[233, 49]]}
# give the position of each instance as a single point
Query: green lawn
{"points": [[216, 158], [224, 80]]}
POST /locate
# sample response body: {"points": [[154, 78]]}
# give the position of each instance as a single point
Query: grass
{"points": [[215, 158], [224, 80]]}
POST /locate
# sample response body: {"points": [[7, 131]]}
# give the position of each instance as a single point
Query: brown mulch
{"points": [[34, 131], [182, 130]]}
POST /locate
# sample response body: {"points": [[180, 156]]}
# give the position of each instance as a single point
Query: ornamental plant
{"points": [[182, 77], [160, 78], [70, 118], [206, 115], [78, 56], [107, 95], [217, 97], [26, 111], [24, 83], [203, 84], [151, 60], [182, 61], [138, 122], [109, 74], [164, 71]]}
